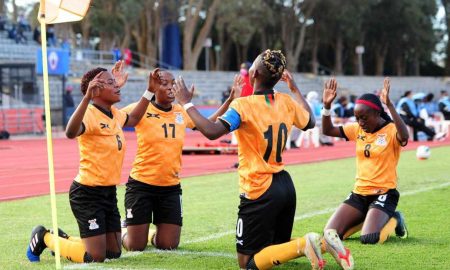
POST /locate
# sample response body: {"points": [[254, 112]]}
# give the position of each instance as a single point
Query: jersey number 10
{"points": [[281, 141]]}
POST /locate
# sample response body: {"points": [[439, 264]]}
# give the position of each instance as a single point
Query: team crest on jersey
{"points": [[93, 224], [179, 118], [381, 140]]}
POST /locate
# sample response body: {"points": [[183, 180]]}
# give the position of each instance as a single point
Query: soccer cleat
{"points": [[400, 229], [312, 251], [37, 244], [336, 248]]}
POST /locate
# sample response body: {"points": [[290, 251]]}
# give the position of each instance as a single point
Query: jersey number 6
{"points": [[281, 141]]}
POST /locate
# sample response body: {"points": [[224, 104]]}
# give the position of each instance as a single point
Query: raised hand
{"points": [[94, 87], [119, 74], [236, 89], [384, 96], [289, 80], [154, 80], [182, 94], [329, 92]]}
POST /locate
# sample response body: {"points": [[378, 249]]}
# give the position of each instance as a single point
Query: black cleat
{"points": [[37, 244], [400, 229]]}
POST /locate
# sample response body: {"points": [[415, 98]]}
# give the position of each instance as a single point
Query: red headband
{"points": [[368, 103]]}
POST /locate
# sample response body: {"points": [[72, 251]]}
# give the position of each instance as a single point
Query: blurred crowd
{"points": [[427, 117]]}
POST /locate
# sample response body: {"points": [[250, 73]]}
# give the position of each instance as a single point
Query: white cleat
{"points": [[335, 247], [312, 251]]}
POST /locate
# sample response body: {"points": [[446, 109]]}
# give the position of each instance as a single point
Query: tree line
{"points": [[318, 36]]}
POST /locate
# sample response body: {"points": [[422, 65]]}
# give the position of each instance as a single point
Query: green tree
{"points": [[194, 40], [241, 21], [446, 4]]}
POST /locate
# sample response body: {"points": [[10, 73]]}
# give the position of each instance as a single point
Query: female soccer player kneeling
{"points": [[371, 206], [98, 129]]}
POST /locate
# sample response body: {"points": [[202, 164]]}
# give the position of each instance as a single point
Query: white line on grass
{"points": [[152, 251], [219, 235], [311, 214]]}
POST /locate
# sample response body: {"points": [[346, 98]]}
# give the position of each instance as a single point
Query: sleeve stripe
{"points": [[309, 125], [225, 123], [126, 121], [341, 129], [232, 118]]}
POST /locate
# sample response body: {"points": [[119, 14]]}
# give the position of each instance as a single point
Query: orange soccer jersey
{"points": [[377, 156], [160, 136], [265, 122], [102, 147]]}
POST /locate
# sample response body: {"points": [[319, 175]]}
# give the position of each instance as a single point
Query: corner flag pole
{"points": [[48, 128]]}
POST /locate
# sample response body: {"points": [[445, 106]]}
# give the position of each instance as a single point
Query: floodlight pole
{"points": [[48, 127]]}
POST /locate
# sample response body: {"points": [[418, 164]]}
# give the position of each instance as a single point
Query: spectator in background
{"points": [[68, 104], [117, 54], [444, 105], [409, 112], [23, 23], [37, 34], [350, 106], [226, 94], [51, 39], [2, 23], [127, 56], [247, 90], [429, 105], [20, 37]]}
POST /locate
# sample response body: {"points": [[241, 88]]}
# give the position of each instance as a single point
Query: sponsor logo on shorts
{"points": [[93, 224], [240, 242]]}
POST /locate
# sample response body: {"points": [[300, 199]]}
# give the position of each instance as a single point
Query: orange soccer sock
{"points": [[71, 250], [278, 254], [387, 230], [151, 236], [352, 231]]}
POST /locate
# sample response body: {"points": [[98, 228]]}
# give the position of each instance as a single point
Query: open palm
{"points": [[329, 92]]}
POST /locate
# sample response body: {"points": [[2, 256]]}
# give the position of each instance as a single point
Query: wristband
{"points": [[147, 95], [187, 106], [326, 112]]}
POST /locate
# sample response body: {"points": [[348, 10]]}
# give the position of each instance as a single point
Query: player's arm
{"points": [[298, 97], [402, 130], [329, 94], [236, 90], [141, 107], [211, 129], [75, 127]]}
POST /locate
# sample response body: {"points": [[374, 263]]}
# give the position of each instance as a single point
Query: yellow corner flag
{"points": [[50, 12]]}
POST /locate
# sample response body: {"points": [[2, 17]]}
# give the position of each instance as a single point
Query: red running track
{"points": [[24, 167]]}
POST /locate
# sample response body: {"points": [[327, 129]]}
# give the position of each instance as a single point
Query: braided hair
{"points": [[275, 63], [88, 77], [374, 102]]}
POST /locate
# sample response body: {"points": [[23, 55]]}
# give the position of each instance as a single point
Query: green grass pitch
{"points": [[210, 207]]}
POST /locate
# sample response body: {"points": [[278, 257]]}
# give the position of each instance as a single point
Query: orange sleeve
{"points": [[302, 117], [129, 108], [350, 131], [88, 123], [189, 123]]}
